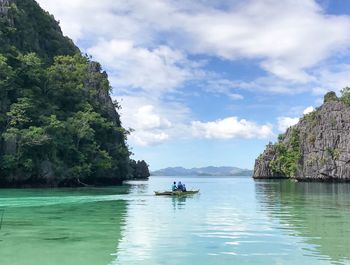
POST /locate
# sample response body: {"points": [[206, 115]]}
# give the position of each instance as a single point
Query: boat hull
{"points": [[175, 193]]}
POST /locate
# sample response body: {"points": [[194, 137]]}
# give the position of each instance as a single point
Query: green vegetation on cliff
{"points": [[287, 158], [26, 28], [139, 169], [316, 148], [58, 124], [345, 96]]}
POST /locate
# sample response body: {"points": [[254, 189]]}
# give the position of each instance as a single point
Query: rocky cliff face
{"points": [[4, 7], [58, 123], [317, 148]]}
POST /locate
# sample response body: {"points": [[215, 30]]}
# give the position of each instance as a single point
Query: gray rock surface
{"points": [[324, 137], [261, 168], [4, 7], [95, 88]]}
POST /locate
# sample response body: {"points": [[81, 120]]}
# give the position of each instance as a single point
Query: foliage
{"points": [[330, 96], [287, 156], [280, 137], [139, 169], [345, 96], [312, 138], [311, 117], [333, 153], [58, 124], [30, 29]]}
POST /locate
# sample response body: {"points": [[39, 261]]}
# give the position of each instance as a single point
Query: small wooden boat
{"points": [[176, 193]]}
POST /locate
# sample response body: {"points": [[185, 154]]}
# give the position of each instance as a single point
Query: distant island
{"points": [[203, 171]]}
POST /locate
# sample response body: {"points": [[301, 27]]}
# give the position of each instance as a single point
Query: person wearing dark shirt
{"points": [[180, 186]]}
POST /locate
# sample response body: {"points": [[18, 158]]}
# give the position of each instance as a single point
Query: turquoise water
{"points": [[231, 221]]}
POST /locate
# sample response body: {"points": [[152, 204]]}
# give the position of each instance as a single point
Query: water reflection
{"points": [[317, 212], [179, 202], [158, 227], [70, 227], [219, 226], [137, 186]]}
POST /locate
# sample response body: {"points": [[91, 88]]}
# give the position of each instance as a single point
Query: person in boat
{"points": [[179, 186], [174, 187], [184, 187]]}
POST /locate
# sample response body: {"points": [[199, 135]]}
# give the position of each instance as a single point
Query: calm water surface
{"points": [[232, 221]]}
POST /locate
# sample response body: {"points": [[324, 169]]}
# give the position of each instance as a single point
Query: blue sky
{"points": [[212, 82]]}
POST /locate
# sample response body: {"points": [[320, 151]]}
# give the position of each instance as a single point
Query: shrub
{"points": [[287, 157], [330, 96], [345, 95]]}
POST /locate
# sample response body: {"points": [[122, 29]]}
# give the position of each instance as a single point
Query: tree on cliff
{"points": [[139, 169], [58, 124]]}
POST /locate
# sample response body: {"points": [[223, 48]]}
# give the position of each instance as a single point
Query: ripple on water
{"points": [[232, 221]]}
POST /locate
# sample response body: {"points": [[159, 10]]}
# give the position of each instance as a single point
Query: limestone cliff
{"points": [[4, 7], [58, 123], [317, 148]]}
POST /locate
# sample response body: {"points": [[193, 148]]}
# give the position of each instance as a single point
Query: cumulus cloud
{"points": [[230, 128], [150, 48], [283, 123], [326, 77], [287, 37], [148, 119], [148, 138], [152, 120], [216, 85], [87, 20], [331, 77], [155, 122], [308, 110], [158, 70]]}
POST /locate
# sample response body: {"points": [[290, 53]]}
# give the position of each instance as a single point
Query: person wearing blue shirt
{"points": [[174, 187]]}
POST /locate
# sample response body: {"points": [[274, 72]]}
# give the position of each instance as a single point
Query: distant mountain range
{"points": [[203, 171]]}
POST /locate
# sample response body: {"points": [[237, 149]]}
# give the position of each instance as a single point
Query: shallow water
{"points": [[231, 221]]}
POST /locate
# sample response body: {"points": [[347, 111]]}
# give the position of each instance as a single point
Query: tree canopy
{"points": [[58, 124]]}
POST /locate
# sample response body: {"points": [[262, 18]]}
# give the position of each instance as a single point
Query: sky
{"points": [[211, 82]]}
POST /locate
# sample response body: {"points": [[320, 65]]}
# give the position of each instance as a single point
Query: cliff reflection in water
{"points": [[318, 212], [69, 226]]}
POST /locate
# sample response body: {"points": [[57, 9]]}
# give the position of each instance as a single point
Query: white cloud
{"points": [[149, 49], [88, 20], [235, 96], [308, 110], [158, 70], [229, 128], [287, 37], [331, 77], [283, 123], [152, 120], [155, 122], [271, 84], [320, 91], [148, 138], [325, 77], [217, 85], [148, 119]]}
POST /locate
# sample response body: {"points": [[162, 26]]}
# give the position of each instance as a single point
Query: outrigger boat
{"points": [[176, 193]]}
